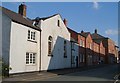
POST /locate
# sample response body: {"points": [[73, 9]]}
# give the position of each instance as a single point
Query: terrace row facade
{"points": [[93, 48], [47, 43]]}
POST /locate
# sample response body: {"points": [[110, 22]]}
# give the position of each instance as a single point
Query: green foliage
{"points": [[5, 70]]}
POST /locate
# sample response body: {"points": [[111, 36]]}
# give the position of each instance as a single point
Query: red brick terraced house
{"points": [[81, 42], [88, 47], [110, 51], [100, 51], [96, 52]]}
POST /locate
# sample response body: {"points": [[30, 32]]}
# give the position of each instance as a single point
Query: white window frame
{"points": [[81, 43], [30, 58], [31, 35]]}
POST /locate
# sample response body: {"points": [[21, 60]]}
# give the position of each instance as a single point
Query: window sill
{"points": [[50, 55], [32, 41], [30, 64]]}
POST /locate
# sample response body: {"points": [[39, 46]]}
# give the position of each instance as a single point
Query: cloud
{"points": [[111, 32], [95, 4]]}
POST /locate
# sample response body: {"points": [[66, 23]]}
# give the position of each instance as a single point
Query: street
{"points": [[103, 73], [100, 74]]}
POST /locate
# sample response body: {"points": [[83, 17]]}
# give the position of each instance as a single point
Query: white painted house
{"points": [[55, 43], [20, 41], [34, 45]]}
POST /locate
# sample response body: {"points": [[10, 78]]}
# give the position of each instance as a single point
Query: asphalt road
{"points": [[107, 73]]}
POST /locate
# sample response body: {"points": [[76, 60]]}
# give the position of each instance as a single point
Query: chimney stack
{"points": [[22, 9], [96, 31], [65, 22]]}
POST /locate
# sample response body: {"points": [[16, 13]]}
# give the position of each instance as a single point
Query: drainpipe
{"points": [[71, 53], [40, 48], [85, 53], [40, 53], [99, 52]]}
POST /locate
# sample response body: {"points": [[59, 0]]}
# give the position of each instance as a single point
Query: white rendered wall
{"points": [[75, 53], [19, 45], [49, 28]]}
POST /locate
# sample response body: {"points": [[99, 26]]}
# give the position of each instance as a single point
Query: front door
{"points": [[76, 61]]}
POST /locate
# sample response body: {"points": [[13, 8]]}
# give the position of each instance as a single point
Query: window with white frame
{"points": [[97, 49], [90, 45], [81, 43], [50, 42], [31, 35], [65, 49], [58, 23], [28, 34], [30, 58]]}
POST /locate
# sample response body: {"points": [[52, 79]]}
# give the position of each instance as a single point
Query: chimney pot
{"points": [[95, 30], [22, 9], [65, 22]]}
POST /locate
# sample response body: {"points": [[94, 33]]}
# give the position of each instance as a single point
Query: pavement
{"points": [[104, 74], [72, 70], [49, 74]]}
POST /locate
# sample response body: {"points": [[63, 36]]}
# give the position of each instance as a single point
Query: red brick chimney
{"points": [[22, 9], [65, 22]]}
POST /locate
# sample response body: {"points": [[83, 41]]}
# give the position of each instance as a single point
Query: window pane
{"points": [[49, 47], [50, 38], [33, 35], [50, 41], [30, 58], [27, 58], [65, 49], [27, 62], [58, 23], [34, 58], [28, 34]]}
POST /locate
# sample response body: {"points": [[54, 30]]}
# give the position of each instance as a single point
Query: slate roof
{"points": [[44, 18], [97, 41], [69, 29], [97, 36], [18, 18], [85, 34]]}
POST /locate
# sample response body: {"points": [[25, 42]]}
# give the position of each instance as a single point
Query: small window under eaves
{"points": [[58, 23]]}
